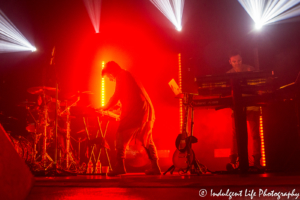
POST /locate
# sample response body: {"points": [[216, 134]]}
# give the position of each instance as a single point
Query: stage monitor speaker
{"points": [[281, 136], [16, 179]]}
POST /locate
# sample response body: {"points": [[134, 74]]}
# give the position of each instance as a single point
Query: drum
{"points": [[24, 148]]}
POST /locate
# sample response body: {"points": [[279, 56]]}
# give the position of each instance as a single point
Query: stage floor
{"points": [[139, 186]]}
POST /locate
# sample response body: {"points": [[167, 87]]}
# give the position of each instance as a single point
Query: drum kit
{"points": [[49, 126]]}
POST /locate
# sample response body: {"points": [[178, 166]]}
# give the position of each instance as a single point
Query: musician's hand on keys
{"points": [[99, 110], [107, 113], [103, 108]]}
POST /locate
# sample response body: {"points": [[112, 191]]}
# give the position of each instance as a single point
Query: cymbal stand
{"points": [[68, 136], [54, 170], [68, 153], [36, 138], [45, 155]]}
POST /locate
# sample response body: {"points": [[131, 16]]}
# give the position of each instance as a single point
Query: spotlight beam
{"points": [[172, 9], [11, 39], [11, 47], [94, 10], [269, 11]]}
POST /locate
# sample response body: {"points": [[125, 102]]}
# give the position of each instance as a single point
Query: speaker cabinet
{"points": [[16, 179]]}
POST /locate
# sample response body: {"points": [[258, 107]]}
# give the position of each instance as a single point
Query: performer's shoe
{"points": [[233, 165], [115, 173], [155, 169], [118, 169], [257, 164]]}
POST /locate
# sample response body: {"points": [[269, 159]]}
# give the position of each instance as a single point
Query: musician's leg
{"points": [[234, 152], [253, 121], [151, 150], [122, 139]]}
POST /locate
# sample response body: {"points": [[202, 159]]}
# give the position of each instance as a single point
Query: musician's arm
{"points": [[112, 102]]}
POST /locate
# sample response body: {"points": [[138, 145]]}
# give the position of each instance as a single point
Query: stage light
{"points": [[103, 87], [180, 100], [261, 131], [173, 11], [94, 7], [258, 26], [269, 11], [11, 39]]}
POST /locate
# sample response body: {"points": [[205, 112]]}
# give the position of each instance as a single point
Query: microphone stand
{"points": [[52, 63], [56, 170]]}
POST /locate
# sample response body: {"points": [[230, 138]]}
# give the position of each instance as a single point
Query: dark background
{"points": [[137, 36]]}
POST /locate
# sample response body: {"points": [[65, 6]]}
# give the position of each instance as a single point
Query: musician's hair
{"points": [[234, 52], [111, 68]]}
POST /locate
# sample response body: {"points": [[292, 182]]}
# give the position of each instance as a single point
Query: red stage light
{"points": [[102, 88], [263, 155], [180, 87]]}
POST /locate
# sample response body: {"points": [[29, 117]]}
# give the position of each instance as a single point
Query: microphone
{"points": [[52, 56]]}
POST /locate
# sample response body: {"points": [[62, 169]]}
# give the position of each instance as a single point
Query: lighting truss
{"points": [[94, 7], [172, 9], [11, 39], [269, 11]]}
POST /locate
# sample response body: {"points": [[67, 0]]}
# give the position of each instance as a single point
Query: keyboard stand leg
{"points": [[103, 134], [171, 170]]}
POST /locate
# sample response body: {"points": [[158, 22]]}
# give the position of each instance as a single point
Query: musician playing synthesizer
{"points": [[235, 60], [137, 117]]}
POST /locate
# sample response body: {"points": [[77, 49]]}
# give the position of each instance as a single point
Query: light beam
{"points": [[269, 11], [11, 39], [94, 7], [172, 9]]}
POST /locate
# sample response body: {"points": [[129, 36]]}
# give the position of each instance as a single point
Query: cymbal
{"points": [[26, 103], [67, 102], [41, 90], [78, 94], [86, 92], [64, 117]]}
